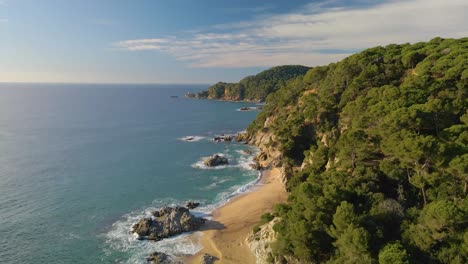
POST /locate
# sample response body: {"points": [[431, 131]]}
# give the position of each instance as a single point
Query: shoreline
{"points": [[224, 236]]}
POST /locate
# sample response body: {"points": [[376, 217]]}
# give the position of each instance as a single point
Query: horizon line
{"points": [[109, 83]]}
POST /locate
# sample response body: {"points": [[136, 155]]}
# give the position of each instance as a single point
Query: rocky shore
{"points": [[250, 247]]}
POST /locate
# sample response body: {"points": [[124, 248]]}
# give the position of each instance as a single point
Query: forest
{"points": [[254, 88], [376, 150]]}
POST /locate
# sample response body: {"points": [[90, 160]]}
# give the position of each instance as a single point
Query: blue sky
{"points": [[203, 41]]}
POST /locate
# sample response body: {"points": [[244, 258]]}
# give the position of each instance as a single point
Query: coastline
{"points": [[224, 236]]}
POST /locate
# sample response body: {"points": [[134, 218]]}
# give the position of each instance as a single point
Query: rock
{"points": [[225, 138], [208, 259], [247, 151], [256, 166], [260, 241], [215, 160], [162, 258], [168, 221], [241, 137], [192, 205]]}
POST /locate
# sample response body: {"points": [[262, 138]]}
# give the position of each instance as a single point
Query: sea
{"points": [[81, 163]]}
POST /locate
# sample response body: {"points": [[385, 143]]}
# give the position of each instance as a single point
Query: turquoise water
{"points": [[79, 164]]}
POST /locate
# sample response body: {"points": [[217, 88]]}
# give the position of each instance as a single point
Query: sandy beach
{"points": [[224, 236]]}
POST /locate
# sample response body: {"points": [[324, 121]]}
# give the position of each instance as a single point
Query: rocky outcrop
{"points": [[167, 222], [192, 205], [269, 155], [253, 108], [162, 258], [208, 259], [223, 138], [260, 242], [215, 160], [242, 137]]}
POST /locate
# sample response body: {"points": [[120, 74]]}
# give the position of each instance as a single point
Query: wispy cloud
{"points": [[306, 37], [3, 20]]}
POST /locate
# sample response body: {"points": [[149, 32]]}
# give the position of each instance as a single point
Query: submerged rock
{"points": [[192, 205], [168, 221], [215, 160]]}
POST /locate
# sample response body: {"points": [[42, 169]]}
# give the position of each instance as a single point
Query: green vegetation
{"points": [[382, 137], [255, 88]]}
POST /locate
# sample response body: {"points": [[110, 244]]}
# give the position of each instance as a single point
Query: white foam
{"points": [[244, 162], [120, 238], [249, 109], [191, 138], [201, 165]]}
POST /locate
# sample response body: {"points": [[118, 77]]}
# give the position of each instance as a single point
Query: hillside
{"points": [[375, 152], [254, 88]]}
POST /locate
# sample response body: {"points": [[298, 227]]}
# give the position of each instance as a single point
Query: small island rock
{"points": [[167, 222], [215, 160]]}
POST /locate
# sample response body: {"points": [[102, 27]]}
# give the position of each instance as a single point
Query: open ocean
{"points": [[80, 163]]}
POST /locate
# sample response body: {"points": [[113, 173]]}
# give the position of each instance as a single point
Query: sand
{"points": [[225, 235]]}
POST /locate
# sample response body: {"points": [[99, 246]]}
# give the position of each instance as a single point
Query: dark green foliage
{"points": [[393, 253], [382, 138], [258, 87]]}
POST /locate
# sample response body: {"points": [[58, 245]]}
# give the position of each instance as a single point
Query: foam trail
{"points": [[191, 138]]}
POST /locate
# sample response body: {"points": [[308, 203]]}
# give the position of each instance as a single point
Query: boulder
{"points": [[215, 160], [168, 221], [162, 258], [208, 259], [192, 205]]}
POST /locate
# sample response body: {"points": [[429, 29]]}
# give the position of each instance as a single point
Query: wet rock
{"points": [[225, 138], [247, 151], [215, 160], [162, 258], [192, 205], [168, 221]]}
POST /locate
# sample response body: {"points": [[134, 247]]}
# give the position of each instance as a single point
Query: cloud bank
{"points": [[315, 35]]}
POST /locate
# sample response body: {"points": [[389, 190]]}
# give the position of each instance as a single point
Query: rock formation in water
{"points": [[215, 160], [168, 221]]}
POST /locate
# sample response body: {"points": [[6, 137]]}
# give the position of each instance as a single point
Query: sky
{"points": [[203, 41]]}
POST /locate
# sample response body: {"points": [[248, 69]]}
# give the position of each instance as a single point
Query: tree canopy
{"points": [[378, 146], [255, 88]]}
